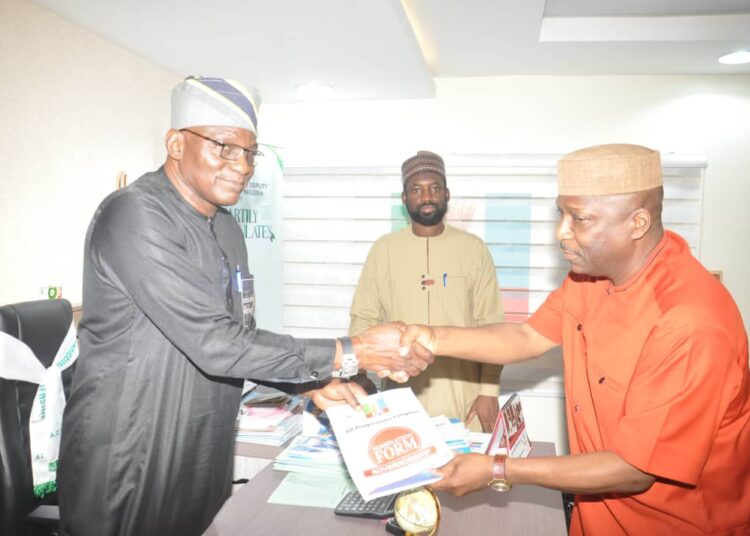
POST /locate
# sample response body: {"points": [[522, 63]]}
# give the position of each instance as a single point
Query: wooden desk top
{"points": [[525, 510], [252, 450]]}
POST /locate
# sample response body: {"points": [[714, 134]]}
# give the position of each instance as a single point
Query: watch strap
{"points": [[347, 346], [349, 361], [499, 481], [498, 467]]}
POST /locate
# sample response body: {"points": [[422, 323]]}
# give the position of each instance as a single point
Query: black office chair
{"points": [[41, 325]]}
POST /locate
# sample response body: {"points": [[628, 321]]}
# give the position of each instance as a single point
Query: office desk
{"points": [[265, 452], [250, 459], [525, 510]]}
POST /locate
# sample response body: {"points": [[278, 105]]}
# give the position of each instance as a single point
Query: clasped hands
{"points": [[393, 350]]}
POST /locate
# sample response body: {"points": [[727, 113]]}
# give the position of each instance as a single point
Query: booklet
{"points": [[510, 433], [390, 444]]}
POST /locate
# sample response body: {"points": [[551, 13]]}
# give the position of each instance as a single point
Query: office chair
{"points": [[41, 325]]}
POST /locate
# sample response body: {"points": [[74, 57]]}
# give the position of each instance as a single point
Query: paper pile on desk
{"points": [[453, 432], [390, 445], [268, 417], [316, 455], [459, 438]]}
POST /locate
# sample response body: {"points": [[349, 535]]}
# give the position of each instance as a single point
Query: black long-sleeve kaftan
{"points": [[147, 440]]}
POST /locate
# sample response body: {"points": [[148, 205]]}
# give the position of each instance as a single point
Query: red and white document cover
{"points": [[390, 444], [510, 433]]}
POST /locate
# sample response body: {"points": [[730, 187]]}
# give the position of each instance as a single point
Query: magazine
{"points": [[390, 444], [268, 417]]}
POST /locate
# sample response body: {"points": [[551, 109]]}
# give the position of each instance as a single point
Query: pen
{"points": [[445, 279], [238, 273]]}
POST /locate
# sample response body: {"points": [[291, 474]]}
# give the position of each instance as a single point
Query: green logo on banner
{"points": [[399, 215]]}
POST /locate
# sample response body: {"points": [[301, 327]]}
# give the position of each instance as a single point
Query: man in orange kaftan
{"points": [[656, 365]]}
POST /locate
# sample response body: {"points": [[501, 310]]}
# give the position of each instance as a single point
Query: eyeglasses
{"points": [[230, 151]]}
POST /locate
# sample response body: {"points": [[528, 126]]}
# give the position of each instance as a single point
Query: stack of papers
{"points": [[479, 442], [453, 432], [317, 475], [268, 417], [459, 438], [314, 455]]}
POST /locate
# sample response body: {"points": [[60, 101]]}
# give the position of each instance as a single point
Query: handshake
{"points": [[391, 350], [394, 350]]}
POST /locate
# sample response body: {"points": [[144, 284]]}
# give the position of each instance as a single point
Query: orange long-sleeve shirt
{"points": [[656, 370]]}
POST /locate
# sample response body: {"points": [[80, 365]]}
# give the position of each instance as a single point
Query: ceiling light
{"points": [[314, 90], [736, 58]]}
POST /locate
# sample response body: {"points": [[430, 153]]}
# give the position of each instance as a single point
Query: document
{"points": [[510, 434], [315, 455], [390, 445], [321, 491]]}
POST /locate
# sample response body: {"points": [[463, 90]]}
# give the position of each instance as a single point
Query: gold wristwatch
{"points": [[499, 482]]}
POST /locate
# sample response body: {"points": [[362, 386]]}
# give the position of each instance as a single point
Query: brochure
{"points": [[315, 455], [390, 445], [510, 433]]}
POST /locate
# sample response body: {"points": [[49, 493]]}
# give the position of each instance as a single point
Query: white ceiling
{"points": [[391, 49]]}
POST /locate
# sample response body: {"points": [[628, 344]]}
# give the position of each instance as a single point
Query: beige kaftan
{"points": [[447, 279]]}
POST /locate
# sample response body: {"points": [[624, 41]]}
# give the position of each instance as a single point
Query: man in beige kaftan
{"points": [[433, 273]]}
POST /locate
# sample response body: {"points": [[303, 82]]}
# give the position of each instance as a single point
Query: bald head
{"points": [[645, 200]]}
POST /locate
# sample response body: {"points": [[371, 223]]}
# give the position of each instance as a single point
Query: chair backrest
{"points": [[41, 325]]}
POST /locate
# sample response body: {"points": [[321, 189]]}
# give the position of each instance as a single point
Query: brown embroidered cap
{"points": [[609, 169], [422, 161]]}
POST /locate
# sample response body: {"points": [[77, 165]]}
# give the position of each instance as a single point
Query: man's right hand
{"points": [[464, 473], [413, 337], [381, 349], [420, 335], [337, 392]]}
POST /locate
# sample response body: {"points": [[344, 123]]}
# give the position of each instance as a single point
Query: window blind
{"points": [[333, 215]]}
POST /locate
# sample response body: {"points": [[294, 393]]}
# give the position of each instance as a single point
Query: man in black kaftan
{"points": [[147, 441]]}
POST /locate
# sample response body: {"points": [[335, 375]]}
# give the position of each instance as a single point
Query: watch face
{"points": [[349, 365], [499, 485]]}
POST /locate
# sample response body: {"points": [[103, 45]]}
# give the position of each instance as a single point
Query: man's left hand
{"points": [[337, 392], [486, 408], [464, 473]]}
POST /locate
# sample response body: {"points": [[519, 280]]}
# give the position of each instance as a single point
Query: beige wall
{"points": [[74, 110]]}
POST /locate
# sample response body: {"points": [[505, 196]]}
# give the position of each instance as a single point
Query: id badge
{"points": [[247, 293]]}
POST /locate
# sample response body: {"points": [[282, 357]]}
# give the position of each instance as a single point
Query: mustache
{"points": [[433, 205], [237, 179]]}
